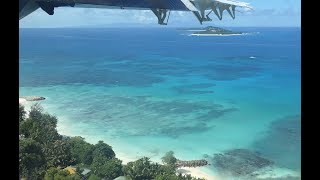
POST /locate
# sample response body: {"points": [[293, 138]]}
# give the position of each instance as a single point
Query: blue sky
{"points": [[270, 13]]}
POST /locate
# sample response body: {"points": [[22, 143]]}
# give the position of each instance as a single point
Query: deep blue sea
{"points": [[146, 91]]}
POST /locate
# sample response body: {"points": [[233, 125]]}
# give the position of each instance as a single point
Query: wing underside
{"points": [[177, 5], [161, 8]]}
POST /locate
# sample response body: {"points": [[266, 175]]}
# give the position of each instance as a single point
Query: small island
{"points": [[214, 31]]}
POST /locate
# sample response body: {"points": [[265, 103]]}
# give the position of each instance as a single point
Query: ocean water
{"points": [[146, 91]]}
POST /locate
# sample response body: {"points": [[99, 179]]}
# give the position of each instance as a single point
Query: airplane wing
{"points": [[236, 3], [159, 7], [177, 5]]}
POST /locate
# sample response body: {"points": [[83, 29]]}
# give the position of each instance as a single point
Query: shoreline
{"points": [[195, 171], [198, 172], [22, 101]]}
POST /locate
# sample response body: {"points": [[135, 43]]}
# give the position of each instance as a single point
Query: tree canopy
{"points": [[81, 151], [31, 158], [144, 169], [107, 168], [102, 149], [40, 126], [43, 154], [59, 174], [22, 113], [58, 154], [169, 158]]}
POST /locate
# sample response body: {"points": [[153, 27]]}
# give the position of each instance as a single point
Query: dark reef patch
{"points": [[199, 88], [240, 162], [89, 76], [282, 142], [215, 113], [224, 72], [143, 116], [177, 131], [178, 107], [186, 91]]}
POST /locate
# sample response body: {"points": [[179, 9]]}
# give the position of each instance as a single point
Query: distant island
{"points": [[210, 30]]}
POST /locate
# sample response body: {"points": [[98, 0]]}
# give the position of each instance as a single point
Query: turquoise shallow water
{"points": [[148, 91]]}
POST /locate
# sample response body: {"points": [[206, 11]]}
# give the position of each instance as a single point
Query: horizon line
{"points": [[105, 27]]}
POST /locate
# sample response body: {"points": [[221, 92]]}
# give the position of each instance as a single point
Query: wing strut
{"points": [[198, 16], [161, 15], [217, 7], [168, 17]]}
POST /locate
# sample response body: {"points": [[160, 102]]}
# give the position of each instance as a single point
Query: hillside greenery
{"points": [[44, 154]]}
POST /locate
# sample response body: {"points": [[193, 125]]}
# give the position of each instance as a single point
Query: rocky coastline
{"points": [[191, 163], [32, 98]]}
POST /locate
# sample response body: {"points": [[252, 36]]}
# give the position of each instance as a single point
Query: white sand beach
{"points": [[27, 104], [196, 172], [199, 172], [22, 101]]}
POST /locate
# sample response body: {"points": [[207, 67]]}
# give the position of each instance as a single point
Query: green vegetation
{"points": [[40, 126], [81, 150], [143, 168], [22, 113], [57, 154], [169, 158], [31, 158], [58, 174], [94, 177], [108, 168], [44, 154], [103, 150]]}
